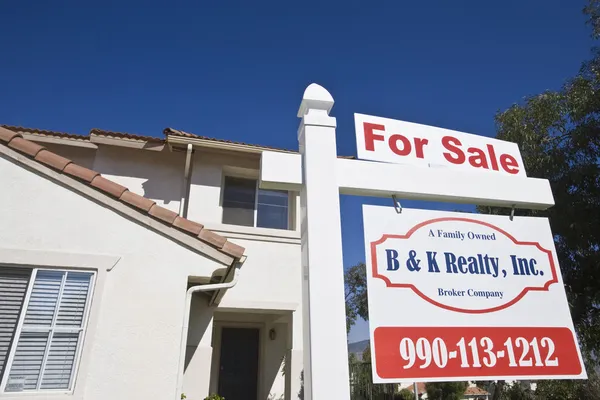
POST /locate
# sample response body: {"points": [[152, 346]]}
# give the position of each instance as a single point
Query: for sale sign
{"points": [[457, 296], [394, 141]]}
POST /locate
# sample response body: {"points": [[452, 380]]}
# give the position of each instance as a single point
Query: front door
{"points": [[238, 374]]}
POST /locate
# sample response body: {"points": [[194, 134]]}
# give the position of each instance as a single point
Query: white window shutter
{"points": [[52, 329], [60, 361], [73, 299], [44, 296], [27, 362], [13, 287]]}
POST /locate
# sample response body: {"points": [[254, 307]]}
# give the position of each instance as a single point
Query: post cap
{"points": [[315, 97]]}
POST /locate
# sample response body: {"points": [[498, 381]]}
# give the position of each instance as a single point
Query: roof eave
{"points": [[152, 145], [39, 138], [212, 144]]}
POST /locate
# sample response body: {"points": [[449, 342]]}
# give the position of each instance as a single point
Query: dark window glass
{"points": [[272, 209], [239, 196]]}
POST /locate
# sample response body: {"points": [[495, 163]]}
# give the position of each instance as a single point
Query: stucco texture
{"points": [[133, 349]]}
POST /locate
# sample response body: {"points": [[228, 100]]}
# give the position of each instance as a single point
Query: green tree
{"points": [[569, 390], [446, 390], [517, 391], [355, 279], [404, 394], [366, 355]]}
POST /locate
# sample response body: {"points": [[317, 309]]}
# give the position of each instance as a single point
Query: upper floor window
{"points": [[43, 316], [245, 204]]}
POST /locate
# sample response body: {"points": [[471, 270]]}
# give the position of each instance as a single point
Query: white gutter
{"points": [[171, 139], [186, 179], [186, 321]]}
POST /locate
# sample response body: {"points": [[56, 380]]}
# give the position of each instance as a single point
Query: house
{"points": [[136, 267]]}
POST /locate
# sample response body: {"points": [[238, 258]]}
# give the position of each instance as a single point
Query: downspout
{"points": [[186, 321], [183, 204]]}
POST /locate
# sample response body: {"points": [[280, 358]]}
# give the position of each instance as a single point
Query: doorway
{"points": [[238, 364]]}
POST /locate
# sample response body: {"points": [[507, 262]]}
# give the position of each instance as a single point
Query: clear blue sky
{"points": [[237, 70]]}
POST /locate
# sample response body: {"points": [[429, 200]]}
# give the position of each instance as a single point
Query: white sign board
{"points": [[393, 141], [456, 296]]}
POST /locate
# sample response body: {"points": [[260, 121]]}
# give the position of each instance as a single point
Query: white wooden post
{"points": [[326, 373]]}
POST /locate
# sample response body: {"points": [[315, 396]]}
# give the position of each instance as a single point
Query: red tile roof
{"points": [[122, 135], [420, 388], [141, 204], [44, 132], [471, 390], [476, 391]]}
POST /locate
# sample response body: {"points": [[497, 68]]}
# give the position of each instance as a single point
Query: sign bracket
{"points": [[397, 204]]}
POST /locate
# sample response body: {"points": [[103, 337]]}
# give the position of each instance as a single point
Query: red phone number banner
{"points": [[438, 352]]}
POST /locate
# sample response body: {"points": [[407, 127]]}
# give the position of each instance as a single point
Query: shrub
{"points": [[214, 396]]}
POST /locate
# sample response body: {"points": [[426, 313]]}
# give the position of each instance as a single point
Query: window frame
{"points": [[82, 331], [67, 260], [289, 221]]}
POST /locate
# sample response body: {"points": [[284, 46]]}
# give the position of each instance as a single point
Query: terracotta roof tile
{"points": [[25, 146], [44, 132], [137, 201], [474, 390], [420, 387], [131, 136], [189, 226], [212, 238], [110, 187], [164, 214], [123, 135], [7, 135], [233, 249], [52, 160], [79, 172], [15, 141]]}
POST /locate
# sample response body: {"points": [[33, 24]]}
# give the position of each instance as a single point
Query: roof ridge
{"points": [[125, 135], [40, 154], [19, 129]]}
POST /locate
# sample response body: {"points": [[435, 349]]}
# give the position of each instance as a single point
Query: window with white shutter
{"points": [[47, 338]]}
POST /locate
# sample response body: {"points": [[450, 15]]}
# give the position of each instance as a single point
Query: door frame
{"points": [[216, 357]]}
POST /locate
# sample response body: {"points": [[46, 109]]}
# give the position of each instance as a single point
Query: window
{"points": [[43, 317], [245, 204]]}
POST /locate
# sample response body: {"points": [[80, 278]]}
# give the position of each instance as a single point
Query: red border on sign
{"points": [[389, 283]]}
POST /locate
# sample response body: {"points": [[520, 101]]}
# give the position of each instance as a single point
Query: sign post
{"points": [[437, 165], [326, 374]]}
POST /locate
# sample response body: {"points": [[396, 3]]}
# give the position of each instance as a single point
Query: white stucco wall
{"points": [[157, 175], [133, 349], [79, 155]]}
